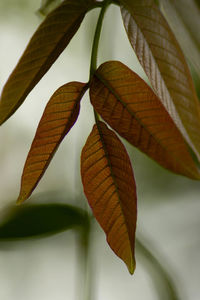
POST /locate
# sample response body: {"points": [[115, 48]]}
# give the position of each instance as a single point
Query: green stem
{"points": [[95, 46], [93, 62], [161, 272], [89, 272]]}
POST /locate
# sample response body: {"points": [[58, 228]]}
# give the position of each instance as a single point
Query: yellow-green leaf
{"points": [[163, 61], [50, 39], [130, 107], [109, 186], [59, 116]]}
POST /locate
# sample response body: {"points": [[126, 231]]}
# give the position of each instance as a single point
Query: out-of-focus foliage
{"points": [[184, 18], [48, 5], [39, 220], [13, 8]]}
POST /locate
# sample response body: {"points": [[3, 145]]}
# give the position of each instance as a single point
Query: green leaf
{"points": [[163, 61], [50, 39], [40, 220]]}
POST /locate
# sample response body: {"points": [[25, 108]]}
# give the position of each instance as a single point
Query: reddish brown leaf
{"points": [[109, 186], [162, 59], [130, 107], [50, 39], [59, 116]]}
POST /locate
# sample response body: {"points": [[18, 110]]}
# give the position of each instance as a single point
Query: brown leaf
{"points": [[50, 39], [109, 186], [162, 59], [131, 108], [59, 116]]}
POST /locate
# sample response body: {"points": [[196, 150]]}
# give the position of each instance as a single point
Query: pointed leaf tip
{"points": [[45, 46], [132, 109], [110, 189], [58, 118], [163, 61]]}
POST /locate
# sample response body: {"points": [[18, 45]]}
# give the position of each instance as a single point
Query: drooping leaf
{"points": [[109, 186], [59, 116], [130, 107], [184, 18], [40, 220], [50, 39], [162, 59]]}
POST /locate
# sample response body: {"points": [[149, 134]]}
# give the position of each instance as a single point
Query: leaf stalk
{"points": [[93, 62]]}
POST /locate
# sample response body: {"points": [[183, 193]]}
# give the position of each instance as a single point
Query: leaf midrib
{"points": [[116, 187], [111, 89], [176, 110]]}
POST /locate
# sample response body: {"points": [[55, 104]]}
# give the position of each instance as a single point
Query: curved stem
{"points": [[163, 274], [93, 62]]}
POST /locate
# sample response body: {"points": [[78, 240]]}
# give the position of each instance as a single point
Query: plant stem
{"points": [[95, 46], [84, 284], [87, 269], [93, 62], [162, 273]]}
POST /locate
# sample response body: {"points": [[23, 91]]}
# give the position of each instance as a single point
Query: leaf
{"points": [[40, 220], [59, 116], [131, 108], [184, 18], [163, 61], [109, 186], [50, 39]]}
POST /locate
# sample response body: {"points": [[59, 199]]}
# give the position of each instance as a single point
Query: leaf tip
{"points": [[19, 201], [131, 266], [21, 198]]}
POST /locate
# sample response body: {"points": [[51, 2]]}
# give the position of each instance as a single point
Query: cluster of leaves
{"points": [[162, 121]]}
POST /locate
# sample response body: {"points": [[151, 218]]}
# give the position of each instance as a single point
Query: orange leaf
{"points": [[130, 107], [163, 61], [109, 186], [50, 39], [59, 116]]}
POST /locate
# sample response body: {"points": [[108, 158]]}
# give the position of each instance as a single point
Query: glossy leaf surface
{"points": [[163, 61], [59, 116], [109, 186], [50, 39], [130, 107], [40, 220]]}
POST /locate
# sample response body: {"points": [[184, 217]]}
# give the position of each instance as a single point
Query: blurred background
{"points": [[168, 205]]}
